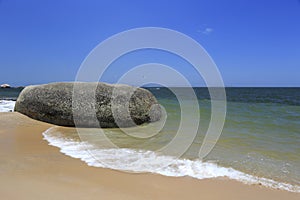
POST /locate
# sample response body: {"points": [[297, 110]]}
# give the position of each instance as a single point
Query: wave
{"points": [[140, 161], [7, 105]]}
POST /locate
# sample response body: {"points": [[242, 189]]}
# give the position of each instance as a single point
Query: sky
{"points": [[253, 42]]}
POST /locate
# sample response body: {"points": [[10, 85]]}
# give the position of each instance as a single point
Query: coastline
{"points": [[31, 169]]}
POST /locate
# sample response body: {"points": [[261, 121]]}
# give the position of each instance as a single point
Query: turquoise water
{"points": [[260, 142], [261, 139]]}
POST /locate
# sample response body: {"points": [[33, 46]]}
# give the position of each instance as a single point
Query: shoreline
{"points": [[37, 170]]}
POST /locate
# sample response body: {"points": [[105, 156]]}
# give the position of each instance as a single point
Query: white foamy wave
{"points": [[7, 106], [138, 161]]}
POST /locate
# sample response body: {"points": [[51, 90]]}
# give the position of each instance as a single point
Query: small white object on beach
{"points": [[5, 86]]}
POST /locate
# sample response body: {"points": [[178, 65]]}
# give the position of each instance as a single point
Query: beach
{"points": [[31, 169], [150, 100]]}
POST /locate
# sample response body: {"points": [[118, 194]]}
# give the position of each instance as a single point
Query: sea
{"points": [[259, 144], [8, 97]]}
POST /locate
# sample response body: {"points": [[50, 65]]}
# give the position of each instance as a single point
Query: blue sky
{"points": [[253, 42]]}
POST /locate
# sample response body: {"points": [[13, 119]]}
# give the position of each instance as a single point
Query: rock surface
{"points": [[89, 104]]}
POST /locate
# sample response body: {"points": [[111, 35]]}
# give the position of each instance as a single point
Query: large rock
{"points": [[91, 105]]}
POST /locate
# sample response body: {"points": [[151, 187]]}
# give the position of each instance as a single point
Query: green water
{"points": [[261, 135]]}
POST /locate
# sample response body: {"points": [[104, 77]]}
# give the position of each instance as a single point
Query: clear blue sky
{"points": [[253, 42]]}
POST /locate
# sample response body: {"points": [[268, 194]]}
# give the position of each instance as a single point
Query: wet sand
{"points": [[31, 169]]}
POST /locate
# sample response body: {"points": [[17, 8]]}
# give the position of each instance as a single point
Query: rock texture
{"points": [[89, 104]]}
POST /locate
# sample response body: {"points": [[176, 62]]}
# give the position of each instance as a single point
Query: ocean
{"points": [[260, 142], [8, 96]]}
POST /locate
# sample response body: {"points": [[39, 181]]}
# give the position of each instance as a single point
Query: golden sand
{"points": [[31, 169]]}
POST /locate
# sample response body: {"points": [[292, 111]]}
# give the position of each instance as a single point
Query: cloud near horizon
{"points": [[206, 31]]}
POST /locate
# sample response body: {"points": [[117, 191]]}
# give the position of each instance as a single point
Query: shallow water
{"points": [[7, 105]]}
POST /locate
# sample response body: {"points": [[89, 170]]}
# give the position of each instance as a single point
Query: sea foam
{"points": [[7, 106], [140, 161]]}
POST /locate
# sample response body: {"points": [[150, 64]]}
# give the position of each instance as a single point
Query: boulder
{"points": [[83, 104]]}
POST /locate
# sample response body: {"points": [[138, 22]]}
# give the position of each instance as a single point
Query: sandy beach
{"points": [[31, 169]]}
